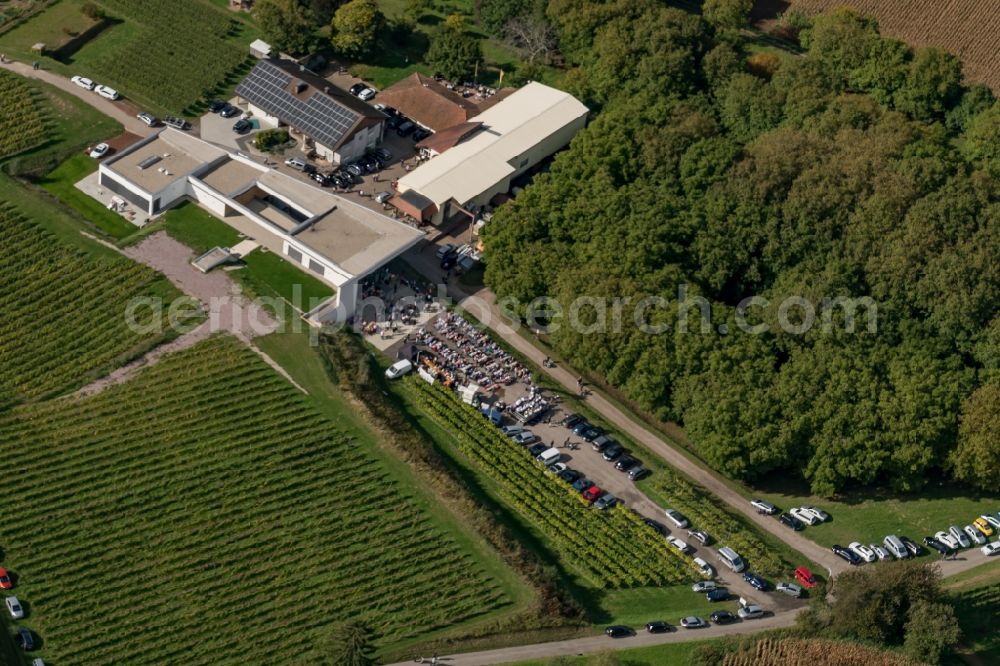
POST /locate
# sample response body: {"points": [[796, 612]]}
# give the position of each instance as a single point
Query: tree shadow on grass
{"points": [[937, 488]]}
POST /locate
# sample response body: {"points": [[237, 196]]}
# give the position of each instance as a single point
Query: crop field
{"points": [[63, 310], [205, 513], [22, 125], [968, 28], [183, 48], [164, 55], [813, 652], [611, 549]]}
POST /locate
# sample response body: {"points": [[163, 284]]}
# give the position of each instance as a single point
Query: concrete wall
{"points": [[172, 193], [208, 199], [126, 190]]}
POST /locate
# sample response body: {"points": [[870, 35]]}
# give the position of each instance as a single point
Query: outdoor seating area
{"points": [[473, 356]]}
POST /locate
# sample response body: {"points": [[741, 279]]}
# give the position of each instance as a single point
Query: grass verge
{"points": [[61, 183]]}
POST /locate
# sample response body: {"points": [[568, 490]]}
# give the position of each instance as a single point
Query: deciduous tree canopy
{"points": [[848, 174]]}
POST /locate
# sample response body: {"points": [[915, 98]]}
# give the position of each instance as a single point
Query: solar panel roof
{"points": [[312, 112]]}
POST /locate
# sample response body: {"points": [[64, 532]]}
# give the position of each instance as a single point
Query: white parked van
{"points": [[731, 559], [398, 369], [549, 456], [895, 547]]}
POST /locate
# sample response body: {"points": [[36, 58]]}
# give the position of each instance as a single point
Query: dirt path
{"points": [[229, 311], [115, 110], [126, 372]]}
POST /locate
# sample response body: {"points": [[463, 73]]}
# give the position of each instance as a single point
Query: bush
{"points": [[92, 11], [270, 139]]}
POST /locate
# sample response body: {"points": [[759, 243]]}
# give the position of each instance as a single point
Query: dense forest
{"points": [[858, 168]]}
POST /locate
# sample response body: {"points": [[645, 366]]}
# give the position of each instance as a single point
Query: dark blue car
{"points": [[755, 581], [718, 594]]}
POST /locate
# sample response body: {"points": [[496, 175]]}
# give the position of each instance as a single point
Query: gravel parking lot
{"points": [[459, 350]]}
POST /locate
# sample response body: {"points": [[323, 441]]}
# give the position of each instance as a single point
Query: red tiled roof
{"points": [[428, 102]]}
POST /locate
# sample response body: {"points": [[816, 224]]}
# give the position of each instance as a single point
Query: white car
{"points": [[106, 92], [994, 523], [947, 539], [764, 507], [862, 551], [991, 549], [880, 552], [791, 589], [398, 369], [959, 536], [83, 82], [366, 94], [14, 607], [678, 544], [99, 151], [557, 467], [677, 518], [974, 535], [703, 566], [823, 516], [148, 119], [806, 516], [709, 585], [750, 612]]}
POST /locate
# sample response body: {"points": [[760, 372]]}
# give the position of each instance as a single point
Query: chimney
{"points": [[300, 87]]}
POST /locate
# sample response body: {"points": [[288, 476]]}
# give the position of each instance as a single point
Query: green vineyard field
{"points": [[205, 513], [23, 123], [181, 49], [63, 310], [671, 489], [612, 549]]}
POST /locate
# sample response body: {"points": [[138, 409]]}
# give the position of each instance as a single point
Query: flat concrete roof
{"points": [[357, 238], [354, 238], [170, 155], [230, 177]]}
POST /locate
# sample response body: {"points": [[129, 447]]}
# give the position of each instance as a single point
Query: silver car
{"points": [[14, 607], [791, 589]]}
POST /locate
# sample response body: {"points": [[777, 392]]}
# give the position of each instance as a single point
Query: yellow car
{"points": [[983, 526]]}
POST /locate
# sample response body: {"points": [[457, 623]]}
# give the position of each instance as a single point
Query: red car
{"points": [[805, 577], [592, 493], [5, 583]]}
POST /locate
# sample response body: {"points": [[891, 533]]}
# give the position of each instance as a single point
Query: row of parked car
{"points": [[978, 533], [150, 120], [23, 636], [104, 91], [747, 610], [404, 126], [343, 177]]}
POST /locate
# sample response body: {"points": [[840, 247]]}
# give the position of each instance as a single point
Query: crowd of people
{"points": [[467, 351]]}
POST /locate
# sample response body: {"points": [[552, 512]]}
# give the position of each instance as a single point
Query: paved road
{"points": [[120, 111], [590, 644]]}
